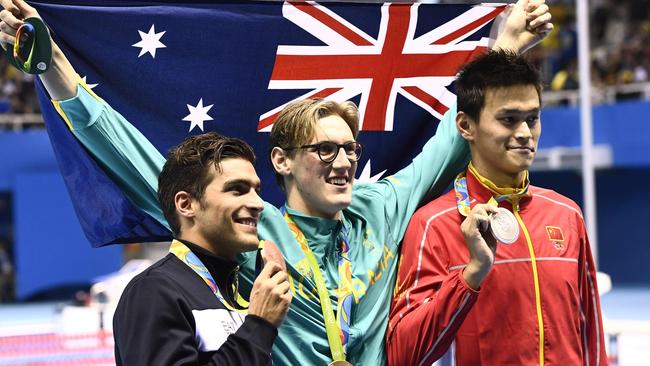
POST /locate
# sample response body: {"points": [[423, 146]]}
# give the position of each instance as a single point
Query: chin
{"points": [[332, 208], [343, 202], [341, 206], [249, 243], [524, 165], [516, 166]]}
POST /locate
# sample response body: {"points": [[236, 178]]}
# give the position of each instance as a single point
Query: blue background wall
{"points": [[51, 250], [625, 126], [623, 218]]}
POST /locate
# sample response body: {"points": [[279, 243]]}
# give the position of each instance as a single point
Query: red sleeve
{"points": [[430, 302], [593, 337]]}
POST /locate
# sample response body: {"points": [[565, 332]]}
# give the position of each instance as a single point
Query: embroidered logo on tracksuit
{"points": [[556, 236]]}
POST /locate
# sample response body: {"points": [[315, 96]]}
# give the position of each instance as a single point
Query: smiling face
{"points": [[225, 219], [504, 141], [317, 188]]}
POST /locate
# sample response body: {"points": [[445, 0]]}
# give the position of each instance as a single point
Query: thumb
{"points": [[517, 10], [520, 5], [10, 7], [270, 268], [26, 10]]}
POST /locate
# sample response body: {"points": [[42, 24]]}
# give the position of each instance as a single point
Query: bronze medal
{"points": [[340, 363]]}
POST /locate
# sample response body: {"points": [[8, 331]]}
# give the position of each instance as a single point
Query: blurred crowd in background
{"points": [[16, 90], [619, 47], [619, 44]]}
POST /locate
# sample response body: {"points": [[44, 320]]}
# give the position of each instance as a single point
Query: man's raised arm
{"points": [[61, 79], [126, 155]]}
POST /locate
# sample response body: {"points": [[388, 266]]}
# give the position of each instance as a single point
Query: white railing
{"points": [[19, 122], [607, 95]]}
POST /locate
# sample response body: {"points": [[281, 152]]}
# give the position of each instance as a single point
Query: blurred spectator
{"points": [[6, 275], [619, 46], [566, 78], [17, 94]]}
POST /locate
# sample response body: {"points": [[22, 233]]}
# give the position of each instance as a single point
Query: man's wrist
{"points": [[475, 272], [506, 46]]}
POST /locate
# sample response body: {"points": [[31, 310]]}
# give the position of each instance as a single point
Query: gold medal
{"points": [[340, 363]]}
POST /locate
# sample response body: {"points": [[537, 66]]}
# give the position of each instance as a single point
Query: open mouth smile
{"points": [[250, 222], [337, 181]]}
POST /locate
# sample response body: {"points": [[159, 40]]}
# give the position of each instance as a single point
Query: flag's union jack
{"points": [[352, 63], [231, 66]]}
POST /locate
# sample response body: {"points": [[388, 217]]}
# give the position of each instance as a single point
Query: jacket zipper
{"points": [[538, 298]]}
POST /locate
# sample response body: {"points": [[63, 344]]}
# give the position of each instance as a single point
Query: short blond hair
{"points": [[295, 123]]}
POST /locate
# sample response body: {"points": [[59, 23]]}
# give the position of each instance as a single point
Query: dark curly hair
{"points": [[187, 168], [495, 69]]}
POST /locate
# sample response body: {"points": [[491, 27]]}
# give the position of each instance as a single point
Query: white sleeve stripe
{"points": [[424, 237], [518, 260], [442, 335], [592, 292]]}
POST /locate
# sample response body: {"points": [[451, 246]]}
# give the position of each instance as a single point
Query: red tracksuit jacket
{"points": [[538, 305]]}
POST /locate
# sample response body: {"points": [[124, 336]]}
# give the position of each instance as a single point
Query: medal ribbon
{"points": [[186, 256], [25, 62], [501, 194], [337, 335]]}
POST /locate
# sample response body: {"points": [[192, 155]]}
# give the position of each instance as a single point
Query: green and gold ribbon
{"points": [[500, 194], [186, 256], [338, 328]]}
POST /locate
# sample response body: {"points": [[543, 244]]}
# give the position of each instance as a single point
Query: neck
{"points": [[309, 211], [500, 179], [201, 242], [296, 202]]}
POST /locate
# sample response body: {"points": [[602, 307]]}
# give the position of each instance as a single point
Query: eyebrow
{"points": [[240, 181], [519, 111], [321, 141]]}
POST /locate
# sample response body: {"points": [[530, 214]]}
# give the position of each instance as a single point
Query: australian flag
{"points": [[179, 69]]}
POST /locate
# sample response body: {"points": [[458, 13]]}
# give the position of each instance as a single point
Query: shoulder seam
{"points": [[560, 204]]}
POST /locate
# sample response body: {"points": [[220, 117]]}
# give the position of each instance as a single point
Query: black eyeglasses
{"points": [[328, 150]]}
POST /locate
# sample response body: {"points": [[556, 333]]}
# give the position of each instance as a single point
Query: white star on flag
{"points": [[91, 86], [365, 175], [198, 115], [150, 42]]}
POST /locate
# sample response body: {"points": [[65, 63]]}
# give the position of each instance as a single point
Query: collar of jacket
{"points": [[224, 271], [322, 234], [482, 189]]}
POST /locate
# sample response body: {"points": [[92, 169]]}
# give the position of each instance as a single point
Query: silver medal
{"points": [[504, 227]]}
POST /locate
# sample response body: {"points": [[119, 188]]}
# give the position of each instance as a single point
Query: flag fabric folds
{"points": [[175, 70]]}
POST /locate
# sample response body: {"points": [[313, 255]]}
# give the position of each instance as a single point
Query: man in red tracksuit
{"points": [[459, 290]]}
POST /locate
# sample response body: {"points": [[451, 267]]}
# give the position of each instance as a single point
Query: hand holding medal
{"points": [[480, 242], [271, 293], [26, 42]]}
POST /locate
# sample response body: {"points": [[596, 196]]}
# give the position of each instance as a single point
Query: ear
{"points": [[186, 206], [281, 162], [465, 125]]}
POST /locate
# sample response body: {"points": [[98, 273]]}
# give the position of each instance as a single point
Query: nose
{"points": [[341, 161], [255, 204], [523, 131]]}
